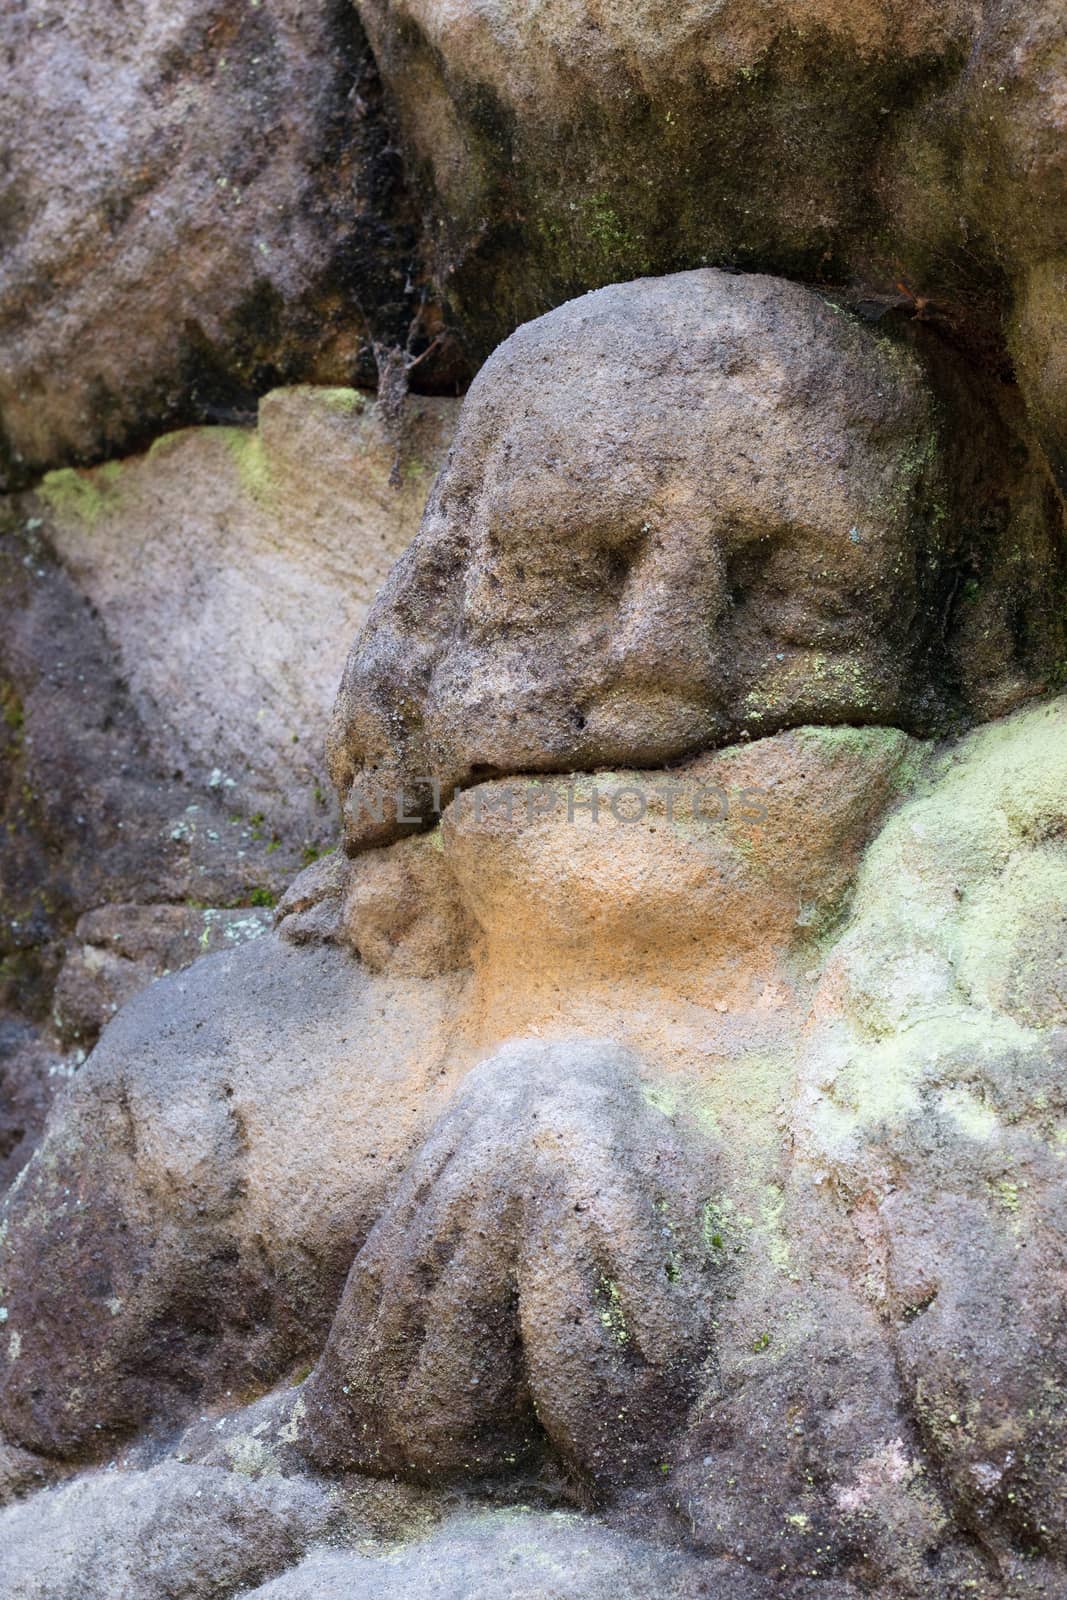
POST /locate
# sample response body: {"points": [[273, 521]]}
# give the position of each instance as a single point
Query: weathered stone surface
{"points": [[196, 206], [801, 1456], [170, 1533], [975, 191], [119, 949], [713, 881], [933, 1095], [527, 1556], [540, 1276], [30, 1072], [187, 1224], [646, 138], [874, 1399], [166, 689], [858, 1368], [230, 568], [89, 814], [912, 152], [595, 584], [238, 1129], [403, 911], [662, 1110]]}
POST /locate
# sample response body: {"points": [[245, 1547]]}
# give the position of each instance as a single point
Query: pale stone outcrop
{"points": [[231, 565]]}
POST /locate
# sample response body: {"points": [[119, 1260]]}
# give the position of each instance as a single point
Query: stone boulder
{"points": [[195, 209], [597, 583]]}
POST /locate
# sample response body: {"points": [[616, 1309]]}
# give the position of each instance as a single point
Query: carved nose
{"points": [[670, 607]]}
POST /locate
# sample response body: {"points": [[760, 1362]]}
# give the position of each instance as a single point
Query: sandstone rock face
{"points": [[90, 813], [797, 1241], [196, 204], [937, 1107], [629, 1161], [596, 583], [976, 189], [679, 910], [119, 949], [911, 151], [254, 554], [166, 686], [524, 1555], [403, 911], [540, 1273], [612, 139], [209, 1176], [202, 1123], [170, 1533]]}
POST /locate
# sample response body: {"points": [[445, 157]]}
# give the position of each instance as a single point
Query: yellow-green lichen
{"points": [[82, 495], [612, 1319], [345, 402], [251, 461]]}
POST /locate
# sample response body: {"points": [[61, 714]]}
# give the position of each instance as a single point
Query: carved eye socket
{"points": [[522, 577], [809, 588]]}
